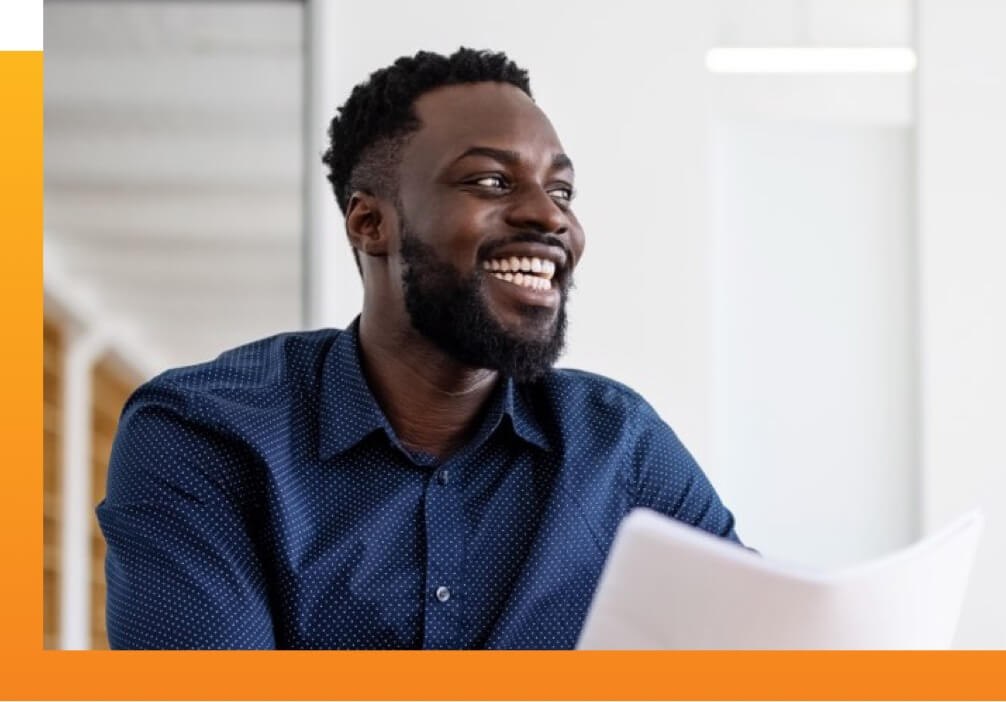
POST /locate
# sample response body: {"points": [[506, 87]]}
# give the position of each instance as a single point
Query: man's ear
{"points": [[365, 225]]}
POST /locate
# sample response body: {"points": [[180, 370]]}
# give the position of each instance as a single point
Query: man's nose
{"points": [[534, 209]]}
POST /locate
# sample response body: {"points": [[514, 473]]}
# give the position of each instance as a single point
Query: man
{"points": [[423, 479]]}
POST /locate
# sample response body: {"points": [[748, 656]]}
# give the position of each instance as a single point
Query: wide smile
{"points": [[529, 272], [528, 279]]}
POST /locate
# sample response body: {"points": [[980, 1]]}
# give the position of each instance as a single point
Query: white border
{"points": [[20, 25]]}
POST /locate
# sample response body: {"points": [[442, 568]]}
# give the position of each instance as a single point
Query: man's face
{"points": [[484, 195]]}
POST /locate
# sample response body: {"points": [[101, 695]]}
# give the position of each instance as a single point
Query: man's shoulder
{"points": [[257, 372], [594, 393]]}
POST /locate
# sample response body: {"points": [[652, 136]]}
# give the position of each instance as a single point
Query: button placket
{"points": [[445, 528]]}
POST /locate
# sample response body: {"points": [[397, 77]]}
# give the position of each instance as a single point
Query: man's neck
{"points": [[431, 400]]}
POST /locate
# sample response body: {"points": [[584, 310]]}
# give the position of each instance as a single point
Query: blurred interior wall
{"points": [[962, 238], [815, 366]]}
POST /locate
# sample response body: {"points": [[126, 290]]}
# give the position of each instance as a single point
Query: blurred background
{"points": [[796, 229]]}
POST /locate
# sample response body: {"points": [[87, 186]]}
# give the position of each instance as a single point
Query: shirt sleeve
{"points": [[667, 479], [182, 567]]}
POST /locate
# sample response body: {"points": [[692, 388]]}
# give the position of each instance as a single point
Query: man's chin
{"points": [[532, 346], [533, 325]]}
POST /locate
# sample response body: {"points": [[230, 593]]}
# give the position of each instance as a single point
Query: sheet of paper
{"points": [[670, 586]]}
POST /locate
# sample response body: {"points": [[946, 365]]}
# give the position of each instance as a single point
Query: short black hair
{"points": [[368, 131]]}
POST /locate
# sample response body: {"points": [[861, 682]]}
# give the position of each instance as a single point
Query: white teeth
{"points": [[527, 281], [542, 267]]}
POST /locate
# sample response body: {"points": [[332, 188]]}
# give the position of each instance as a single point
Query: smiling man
{"points": [[424, 478]]}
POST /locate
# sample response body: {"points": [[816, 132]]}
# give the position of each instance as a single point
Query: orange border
{"points": [[31, 673]]}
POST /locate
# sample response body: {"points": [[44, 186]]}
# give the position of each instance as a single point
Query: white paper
{"points": [[667, 585]]}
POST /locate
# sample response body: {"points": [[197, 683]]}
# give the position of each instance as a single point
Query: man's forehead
{"points": [[455, 118]]}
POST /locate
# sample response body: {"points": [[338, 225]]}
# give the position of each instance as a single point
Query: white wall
{"points": [[962, 229], [815, 321]]}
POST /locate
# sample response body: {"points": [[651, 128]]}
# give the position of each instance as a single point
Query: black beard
{"points": [[451, 311]]}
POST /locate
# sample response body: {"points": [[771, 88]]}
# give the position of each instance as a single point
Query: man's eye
{"points": [[491, 181], [562, 194]]}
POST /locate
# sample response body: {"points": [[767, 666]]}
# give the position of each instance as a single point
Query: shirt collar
{"points": [[349, 412], [521, 411]]}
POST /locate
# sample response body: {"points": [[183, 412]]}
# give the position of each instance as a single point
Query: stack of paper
{"points": [[668, 585]]}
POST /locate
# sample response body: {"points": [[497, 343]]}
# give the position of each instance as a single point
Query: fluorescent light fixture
{"points": [[799, 59]]}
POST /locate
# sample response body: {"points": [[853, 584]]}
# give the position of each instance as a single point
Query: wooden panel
{"points": [[99, 635], [105, 423], [52, 478], [50, 560], [50, 608], [99, 473], [112, 387], [52, 401]]}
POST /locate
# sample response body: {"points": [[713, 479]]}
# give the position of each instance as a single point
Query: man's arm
{"points": [[667, 479], [182, 569]]}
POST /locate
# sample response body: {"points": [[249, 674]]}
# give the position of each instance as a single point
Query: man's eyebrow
{"points": [[510, 158], [562, 161]]}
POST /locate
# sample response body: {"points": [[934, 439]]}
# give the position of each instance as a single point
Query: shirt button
{"points": [[443, 593], [443, 476]]}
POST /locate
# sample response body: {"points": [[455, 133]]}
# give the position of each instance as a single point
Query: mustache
{"points": [[527, 238]]}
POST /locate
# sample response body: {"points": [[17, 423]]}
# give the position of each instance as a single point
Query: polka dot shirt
{"points": [[262, 500]]}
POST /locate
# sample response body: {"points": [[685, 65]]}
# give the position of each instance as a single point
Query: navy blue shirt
{"points": [[262, 500]]}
